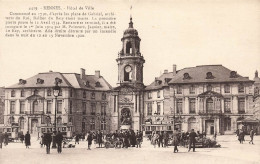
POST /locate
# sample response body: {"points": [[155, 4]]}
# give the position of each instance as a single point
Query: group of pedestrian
{"points": [[161, 139], [241, 136]]}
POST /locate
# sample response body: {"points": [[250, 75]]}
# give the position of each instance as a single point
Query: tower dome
{"points": [[130, 32]]}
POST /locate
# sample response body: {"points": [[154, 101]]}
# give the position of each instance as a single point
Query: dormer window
{"points": [[98, 84], [209, 75], [186, 76], [233, 74], [157, 82], [167, 80], [87, 83], [40, 81], [22, 82], [13, 93]]}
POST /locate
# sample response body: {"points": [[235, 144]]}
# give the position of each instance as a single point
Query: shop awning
{"points": [[249, 120]]}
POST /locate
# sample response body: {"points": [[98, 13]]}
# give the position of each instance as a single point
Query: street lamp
{"points": [[56, 91]]}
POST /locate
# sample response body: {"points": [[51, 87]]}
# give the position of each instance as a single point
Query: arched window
{"points": [[59, 121], [128, 47], [48, 120], [209, 105], [104, 96], [11, 120], [70, 120], [127, 73], [35, 106]]}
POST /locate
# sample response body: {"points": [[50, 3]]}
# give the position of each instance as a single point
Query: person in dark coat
{"points": [[27, 140], [77, 139], [165, 138], [252, 133], [241, 136], [47, 140], [6, 138], [1, 139], [99, 138], [22, 138], [59, 139], [160, 139], [89, 138], [192, 137], [175, 136]]}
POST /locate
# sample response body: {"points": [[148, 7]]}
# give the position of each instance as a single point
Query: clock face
{"points": [[128, 68]]}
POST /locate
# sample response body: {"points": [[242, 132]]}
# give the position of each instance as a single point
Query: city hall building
{"points": [[208, 98]]}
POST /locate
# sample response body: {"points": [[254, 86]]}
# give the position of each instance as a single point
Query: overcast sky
{"points": [[185, 33]]}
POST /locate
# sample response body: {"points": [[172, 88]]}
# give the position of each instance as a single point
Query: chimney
{"points": [[97, 74], [174, 69], [165, 71], [82, 73], [256, 74]]}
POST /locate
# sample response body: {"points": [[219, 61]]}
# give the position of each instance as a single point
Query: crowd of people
{"points": [[123, 139], [176, 139]]}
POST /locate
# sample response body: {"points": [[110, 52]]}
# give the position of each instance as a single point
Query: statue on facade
{"points": [[125, 117]]}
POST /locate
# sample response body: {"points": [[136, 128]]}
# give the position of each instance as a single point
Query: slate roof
{"points": [[164, 79], [198, 74], [68, 80]]}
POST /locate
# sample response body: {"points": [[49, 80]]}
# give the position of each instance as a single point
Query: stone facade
{"points": [[208, 98]]}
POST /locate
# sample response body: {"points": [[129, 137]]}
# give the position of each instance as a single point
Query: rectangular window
{"points": [[60, 93], [49, 106], [158, 108], [179, 106], [22, 107], [158, 94], [12, 93], [93, 108], [103, 109], [227, 89], [241, 105], [103, 125], [92, 124], [192, 105], [84, 109], [179, 90], [227, 108], [149, 109], [22, 93], [241, 88], [192, 89], [70, 107], [12, 107], [149, 95], [227, 124], [114, 103], [59, 106]]}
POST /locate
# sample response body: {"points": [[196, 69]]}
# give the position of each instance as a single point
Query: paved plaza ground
{"points": [[230, 152]]}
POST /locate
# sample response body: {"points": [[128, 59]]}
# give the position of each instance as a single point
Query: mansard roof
{"points": [[48, 81], [160, 82], [207, 74], [68, 80]]}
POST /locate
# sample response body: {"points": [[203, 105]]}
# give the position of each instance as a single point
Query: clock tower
{"points": [[128, 95], [130, 60]]}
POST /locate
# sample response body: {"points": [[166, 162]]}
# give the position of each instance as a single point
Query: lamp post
{"points": [[56, 91]]}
